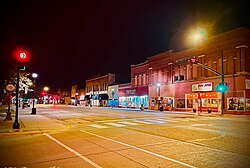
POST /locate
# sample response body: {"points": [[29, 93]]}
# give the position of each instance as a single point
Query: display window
{"points": [[133, 101], [209, 102], [236, 103], [208, 99], [190, 103], [168, 101], [180, 103], [248, 104]]}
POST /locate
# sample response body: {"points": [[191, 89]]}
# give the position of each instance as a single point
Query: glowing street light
{"points": [[158, 94], [76, 98], [46, 89], [34, 76]]}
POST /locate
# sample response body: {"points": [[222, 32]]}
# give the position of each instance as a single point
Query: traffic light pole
{"points": [[218, 73], [16, 124], [222, 81]]}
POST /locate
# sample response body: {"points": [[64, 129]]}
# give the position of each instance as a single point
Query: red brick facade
{"points": [[176, 74]]}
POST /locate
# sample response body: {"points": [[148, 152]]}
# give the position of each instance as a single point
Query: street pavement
{"points": [[69, 136]]}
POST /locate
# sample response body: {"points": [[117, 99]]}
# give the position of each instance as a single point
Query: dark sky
{"points": [[72, 40]]}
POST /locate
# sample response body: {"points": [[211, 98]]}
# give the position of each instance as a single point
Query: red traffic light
{"points": [[194, 60], [21, 55], [43, 93]]}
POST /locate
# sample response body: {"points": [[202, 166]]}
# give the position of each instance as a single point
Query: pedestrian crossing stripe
{"points": [[143, 122], [128, 123], [156, 121], [115, 124], [97, 126], [135, 122]]}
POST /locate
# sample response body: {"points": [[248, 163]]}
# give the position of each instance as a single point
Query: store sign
{"points": [[247, 83], [10, 87], [130, 92], [202, 87]]}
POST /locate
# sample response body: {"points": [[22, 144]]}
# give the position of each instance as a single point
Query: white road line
{"points": [[195, 125], [171, 121], [143, 122], [140, 149], [115, 124], [128, 123], [156, 121], [73, 151], [97, 126]]}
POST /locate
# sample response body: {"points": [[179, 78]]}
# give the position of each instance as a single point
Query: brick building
{"points": [[97, 89], [175, 82]]}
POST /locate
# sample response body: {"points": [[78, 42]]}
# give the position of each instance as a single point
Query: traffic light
{"points": [[222, 87], [43, 93], [194, 60], [21, 55]]}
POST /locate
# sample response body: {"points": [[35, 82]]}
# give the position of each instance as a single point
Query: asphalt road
{"points": [[106, 137]]}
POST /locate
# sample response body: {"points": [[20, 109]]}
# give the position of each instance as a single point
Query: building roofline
{"points": [[99, 77]]}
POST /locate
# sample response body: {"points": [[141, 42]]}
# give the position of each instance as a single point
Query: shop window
{"points": [[180, 103], [190, 103], [235, 103], [209, 103], [248, 104]]}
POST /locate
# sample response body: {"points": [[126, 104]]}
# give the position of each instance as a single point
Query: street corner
{"points": [[19, 132]]}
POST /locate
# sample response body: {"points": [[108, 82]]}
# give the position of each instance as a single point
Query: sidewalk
{"points": [[28, 123]]}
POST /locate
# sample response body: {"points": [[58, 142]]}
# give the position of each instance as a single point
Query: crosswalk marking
{"points": [[115, 124], [156, 121], [195, 125], [143, 122], [128, 123], [171, 121], [97, 126], [139, 121]]}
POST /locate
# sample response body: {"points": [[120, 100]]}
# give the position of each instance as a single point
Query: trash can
{"points": [[209, 110]]}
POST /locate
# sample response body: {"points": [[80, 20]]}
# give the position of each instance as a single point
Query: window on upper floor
{"points": [[181, 77], [175, 78]]}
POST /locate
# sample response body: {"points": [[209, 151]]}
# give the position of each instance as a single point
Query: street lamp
{"points": [[46, 89], [158, 94], [198, 36], [34, 75], [76, 99]]}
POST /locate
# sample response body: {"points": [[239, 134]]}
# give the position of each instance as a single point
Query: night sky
{"points": [[72, 40]]}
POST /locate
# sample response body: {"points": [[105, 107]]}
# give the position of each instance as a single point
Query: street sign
{"points": [[10, 87]]}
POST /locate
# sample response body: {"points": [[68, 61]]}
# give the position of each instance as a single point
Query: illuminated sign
{"points": [[130, 92], [202, 87]]}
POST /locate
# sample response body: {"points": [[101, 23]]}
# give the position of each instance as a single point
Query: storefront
{"points": [[166, 102], [133, 97], [204, 101], [162, 96], [202, 98]]}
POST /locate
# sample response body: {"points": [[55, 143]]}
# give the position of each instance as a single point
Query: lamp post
{"points": [[197, 36], [46, 89], [34, 75], [113, 94], [76, 99], [158, 94]]}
